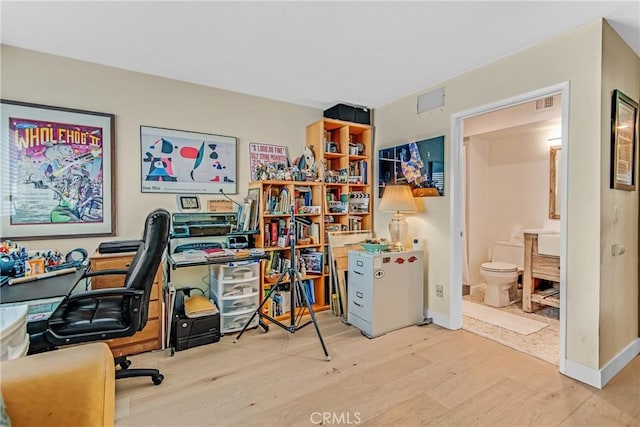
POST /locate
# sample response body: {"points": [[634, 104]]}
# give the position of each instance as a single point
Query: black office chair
{"points": [[104, 314]]}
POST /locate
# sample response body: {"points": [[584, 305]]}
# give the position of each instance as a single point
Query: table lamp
{"points": [[398, 199]]}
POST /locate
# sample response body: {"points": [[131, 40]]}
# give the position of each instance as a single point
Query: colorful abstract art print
{"points": [[56, 178], [176, 161]]}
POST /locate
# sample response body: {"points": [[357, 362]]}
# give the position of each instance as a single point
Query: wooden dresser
{"points": [[539, 266], [150, 338]]}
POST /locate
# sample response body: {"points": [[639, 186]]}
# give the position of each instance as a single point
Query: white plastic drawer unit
{"points": [[234, 323], [235, 287], [239, 305], [385, 291]]}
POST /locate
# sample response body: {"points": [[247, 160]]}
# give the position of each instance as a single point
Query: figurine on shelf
{"points": [[295, 173], [260, 172], [271, 171], [312, 170]]}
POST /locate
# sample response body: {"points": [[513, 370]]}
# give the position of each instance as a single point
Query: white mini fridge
{"points": [[385, 291]]}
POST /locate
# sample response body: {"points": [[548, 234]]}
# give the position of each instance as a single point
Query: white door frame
{"points": [[457, 178]]}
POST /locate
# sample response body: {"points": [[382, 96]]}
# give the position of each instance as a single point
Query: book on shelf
{"points": [[314, 232], [247, 220], [217, 252], [267, 235], [302, 196], [274, 233]]}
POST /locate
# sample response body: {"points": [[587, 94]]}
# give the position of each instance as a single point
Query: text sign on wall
{"points": [[265, 154]]}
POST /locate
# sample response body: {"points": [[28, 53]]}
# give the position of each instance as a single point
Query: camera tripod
{"points": [[296, 288]]}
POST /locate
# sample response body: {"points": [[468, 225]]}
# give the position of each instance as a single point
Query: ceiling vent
{"points": [[544, 104]]}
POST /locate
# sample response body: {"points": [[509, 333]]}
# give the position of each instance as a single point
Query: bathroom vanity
{"points": [[541, 261]]}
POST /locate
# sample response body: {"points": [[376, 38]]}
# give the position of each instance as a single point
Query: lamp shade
{"points": [[398, 198]]}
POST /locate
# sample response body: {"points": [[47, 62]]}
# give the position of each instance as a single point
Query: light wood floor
{"points": [[414, 376]]}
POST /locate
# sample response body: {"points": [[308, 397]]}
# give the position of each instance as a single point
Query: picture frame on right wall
{"points": [[419, 164], [624, 135]]}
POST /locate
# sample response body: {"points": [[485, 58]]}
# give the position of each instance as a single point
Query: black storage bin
{"points": [[188, 332], [349, 113]]}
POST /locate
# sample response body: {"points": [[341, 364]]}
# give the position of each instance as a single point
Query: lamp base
{"points": [[398, 228]]}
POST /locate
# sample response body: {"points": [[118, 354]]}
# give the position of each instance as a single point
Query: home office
{"points": [[593, 333]]}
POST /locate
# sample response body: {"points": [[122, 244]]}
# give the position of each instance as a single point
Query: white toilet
{"points": [[501, 274]]}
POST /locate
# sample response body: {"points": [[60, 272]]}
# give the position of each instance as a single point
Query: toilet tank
{"points": [[511, 252]]}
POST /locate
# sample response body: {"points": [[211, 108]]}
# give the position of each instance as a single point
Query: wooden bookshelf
{"points": [[275, 203]]}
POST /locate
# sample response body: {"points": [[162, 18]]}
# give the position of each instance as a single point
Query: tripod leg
{"points": [[303, 292], [257, 313]]}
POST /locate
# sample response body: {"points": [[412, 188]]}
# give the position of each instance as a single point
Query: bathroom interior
{"points": [[512, 220]]}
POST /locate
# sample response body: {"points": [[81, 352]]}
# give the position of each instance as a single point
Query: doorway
{"points": [[458, 201]]}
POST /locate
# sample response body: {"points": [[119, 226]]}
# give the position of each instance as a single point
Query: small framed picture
{"points": [[189, 203], [624, 128]]}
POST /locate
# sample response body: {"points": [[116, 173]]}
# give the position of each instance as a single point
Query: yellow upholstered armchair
{"points": [[73, 386]]}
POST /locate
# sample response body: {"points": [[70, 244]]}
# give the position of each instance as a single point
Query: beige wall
{"points": [[572, 57], [619, 274], [139, 99]]}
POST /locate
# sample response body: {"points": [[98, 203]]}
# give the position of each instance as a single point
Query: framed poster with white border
{"points": [[56, 172], [177, 161]]}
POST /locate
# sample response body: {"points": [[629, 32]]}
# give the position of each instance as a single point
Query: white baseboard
{"points": [[598, 378], [440, 319], [621, 360]]}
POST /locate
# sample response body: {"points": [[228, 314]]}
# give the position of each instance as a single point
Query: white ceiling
{"points": [[309, 53]]}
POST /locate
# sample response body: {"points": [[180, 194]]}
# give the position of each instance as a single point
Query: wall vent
{"points": [[430, 100], [544, 104]]}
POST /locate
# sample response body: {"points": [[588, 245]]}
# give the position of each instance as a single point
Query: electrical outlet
{"points": [[439, 291]]}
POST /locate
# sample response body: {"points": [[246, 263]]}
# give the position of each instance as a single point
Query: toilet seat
{"points": [[499, 267]]}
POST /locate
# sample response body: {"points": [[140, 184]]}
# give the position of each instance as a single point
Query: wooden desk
{"points": [[150, 338]]}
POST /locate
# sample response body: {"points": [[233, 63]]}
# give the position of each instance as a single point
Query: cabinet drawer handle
{"points": [[357, 304], [358, 272]]}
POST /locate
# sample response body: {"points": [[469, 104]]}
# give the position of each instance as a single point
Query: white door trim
{"points": [[457, 177]]}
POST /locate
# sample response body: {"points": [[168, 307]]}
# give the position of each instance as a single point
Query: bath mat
{"points": [[514, 323]]}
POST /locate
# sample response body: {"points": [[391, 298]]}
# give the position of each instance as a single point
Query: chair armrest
{"points": [[104, 272]]}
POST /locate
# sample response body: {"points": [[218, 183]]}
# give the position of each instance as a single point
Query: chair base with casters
{"points": [[108, 313], [125, 372]]}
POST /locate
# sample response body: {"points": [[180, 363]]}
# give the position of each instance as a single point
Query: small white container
{"points": [[14, 339]]}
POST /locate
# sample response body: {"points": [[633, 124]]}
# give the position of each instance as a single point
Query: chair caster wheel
{"points": [[157, 379], [125, 364]]}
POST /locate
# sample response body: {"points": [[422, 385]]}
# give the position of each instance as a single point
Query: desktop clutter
{"points": [[18, 264]]}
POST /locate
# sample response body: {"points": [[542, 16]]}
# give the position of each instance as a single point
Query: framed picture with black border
{"points": [[56, 172], [188, 202], [624, 135]]}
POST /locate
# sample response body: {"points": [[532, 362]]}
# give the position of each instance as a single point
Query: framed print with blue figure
{"points": [[176, 161]]}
